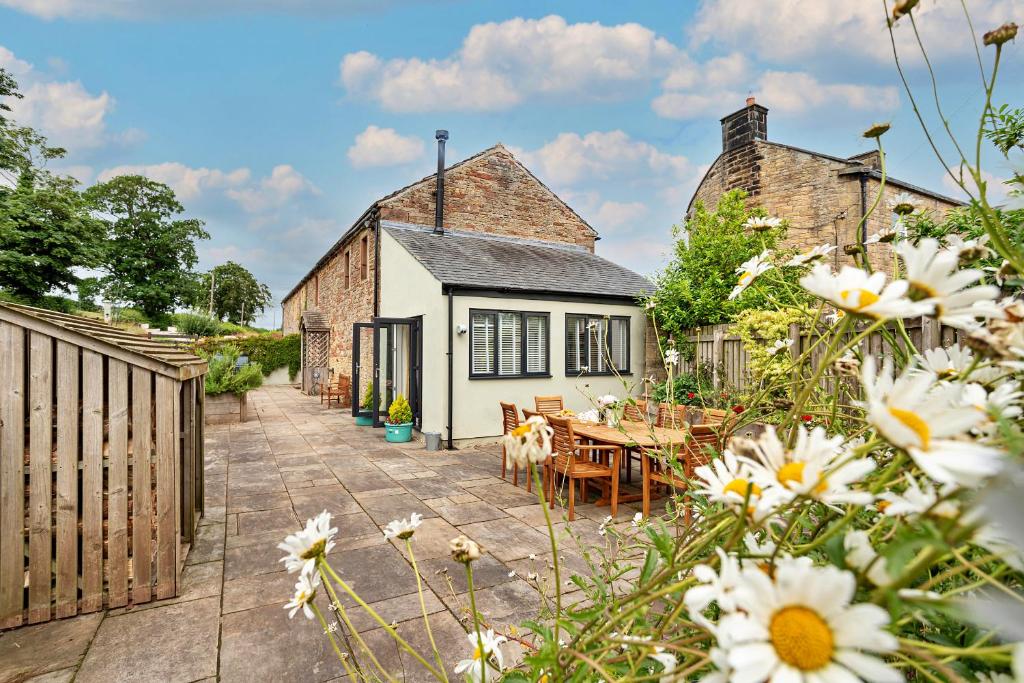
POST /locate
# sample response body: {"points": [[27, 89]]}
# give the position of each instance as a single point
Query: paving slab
{"points": [[36, 650]]}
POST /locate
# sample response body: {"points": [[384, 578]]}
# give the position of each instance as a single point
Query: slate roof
{"points": [[481, 261], [315, 321]]}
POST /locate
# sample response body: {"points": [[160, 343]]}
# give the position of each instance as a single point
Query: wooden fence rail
{"points": [[721, 350], [100, 475]]}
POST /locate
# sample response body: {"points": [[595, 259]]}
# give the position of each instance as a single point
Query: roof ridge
{"points": [[474, 234]]}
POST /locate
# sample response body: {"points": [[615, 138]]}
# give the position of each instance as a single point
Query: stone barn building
{"points": [[498, 282], [823, 197]]}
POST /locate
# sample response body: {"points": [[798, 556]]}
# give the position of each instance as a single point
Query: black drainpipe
{"points": [[441, 136], [863, 208], [451, 350]]}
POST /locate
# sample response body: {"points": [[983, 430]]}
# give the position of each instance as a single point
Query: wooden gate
{"points": [[316, 351]]}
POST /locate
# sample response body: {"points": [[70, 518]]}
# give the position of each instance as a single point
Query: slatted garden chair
{"points": [[548, 404], [698, 449], [573, 461]]}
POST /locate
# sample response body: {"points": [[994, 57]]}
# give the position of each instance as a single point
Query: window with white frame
{"points": [[596, 345], [508, 344]]}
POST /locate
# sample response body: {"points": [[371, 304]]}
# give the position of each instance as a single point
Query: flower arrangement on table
{"points": [[610, 409]]}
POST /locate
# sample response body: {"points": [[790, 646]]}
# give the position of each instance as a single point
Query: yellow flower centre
{"points": [[914, 423], [882, 505], [864, 298], [315, 550], [302, 597], [521, 430], [794, 472], [801, 638], [478, 652], [746, 276], [740, 487]]}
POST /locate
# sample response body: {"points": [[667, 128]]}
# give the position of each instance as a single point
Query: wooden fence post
{"points": [[717, 353], [931, 333], [794, 334]]}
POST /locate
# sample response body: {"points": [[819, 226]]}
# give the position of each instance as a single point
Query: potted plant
{"points": [[227, 383], [398, 426], [366, 404]]}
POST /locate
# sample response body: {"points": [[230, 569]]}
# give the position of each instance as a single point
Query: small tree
{"points": [[237, 295], [694, 288], [151, 252]]}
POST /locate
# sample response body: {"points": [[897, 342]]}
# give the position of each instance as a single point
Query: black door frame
{"points": [[415, 341], [357, 410]]}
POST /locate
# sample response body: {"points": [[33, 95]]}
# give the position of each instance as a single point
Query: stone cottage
{"points": [[822, 196], [475, 274]]}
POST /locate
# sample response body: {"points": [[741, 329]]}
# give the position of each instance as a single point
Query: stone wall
{"points": [[493, 193], [821, 206]]}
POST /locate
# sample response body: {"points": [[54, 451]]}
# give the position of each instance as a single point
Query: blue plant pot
{"points": [[364, 421], [398, 433]]}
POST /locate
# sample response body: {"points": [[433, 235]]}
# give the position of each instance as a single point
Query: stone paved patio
{"points": [[264, 478]]}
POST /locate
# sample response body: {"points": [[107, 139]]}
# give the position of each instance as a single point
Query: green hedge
{"points": [[271, 351]]}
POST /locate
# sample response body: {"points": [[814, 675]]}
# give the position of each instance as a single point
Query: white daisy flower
{"points": [[902, 204], [810, 256], [813, 467], [306, 546], [672, 357], [403, 528], [762, 223], [934, 275], [480, 667], [835, 316], [779, 346], [884, 235], [800, 627], [946, 362], [967, 250], [749, 270], [464, 549], [920, 416], [857, 292], [667, 661], [638, 519], [530, 442], [718, 587], [305, 591], [917, 499], [727, 480], [861, 556], [756, 548]]}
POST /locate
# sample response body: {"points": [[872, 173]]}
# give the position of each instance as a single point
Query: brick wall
{"points": [[493, 193]]}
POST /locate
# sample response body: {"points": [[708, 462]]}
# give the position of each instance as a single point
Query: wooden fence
{"points": [[101, 462], [717, 347]]}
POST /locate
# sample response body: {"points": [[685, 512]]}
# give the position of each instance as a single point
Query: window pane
{"points": [[576, 344], [536, 343], [597, 332], [482, 343], [620, 344], [510, 339]]}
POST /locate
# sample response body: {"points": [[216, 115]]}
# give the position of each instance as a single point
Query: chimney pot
{"points": [[441, 136], [750, 101]]}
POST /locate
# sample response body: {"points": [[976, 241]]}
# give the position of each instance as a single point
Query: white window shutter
{"points": [[536, 344], [510, 336], [483, 344], [620, 344], [597, 333]]}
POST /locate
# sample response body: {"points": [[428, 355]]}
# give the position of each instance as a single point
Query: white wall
{"points": [[408, 290]]}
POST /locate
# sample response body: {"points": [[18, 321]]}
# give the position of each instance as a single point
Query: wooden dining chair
{"points": [[527, 414], [713, 415], [509, 421], [697, 449], [573, 461], [339, 392], [671, 417], [548, 404]]}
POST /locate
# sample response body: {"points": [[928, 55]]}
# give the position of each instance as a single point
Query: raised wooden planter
{"points": [[226, 408]]}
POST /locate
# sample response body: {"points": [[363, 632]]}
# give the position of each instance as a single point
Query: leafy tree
{"points": [[694, 288], [237, 295], [151, 252]]}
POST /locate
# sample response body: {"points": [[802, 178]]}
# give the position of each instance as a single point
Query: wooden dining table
{"points": [[628, 435]]}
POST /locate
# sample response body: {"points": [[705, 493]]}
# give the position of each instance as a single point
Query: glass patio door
{"points": [[386, 358]]}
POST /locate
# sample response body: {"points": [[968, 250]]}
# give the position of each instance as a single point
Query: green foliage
{"points": [[223, 377], [687, 388], [1006, 128], [151, 252], [46, 232], [400, 412], [367, 402], [130, 315], [237, 295], [196, 324], [271, 350], [758, 330], [694, 288]]}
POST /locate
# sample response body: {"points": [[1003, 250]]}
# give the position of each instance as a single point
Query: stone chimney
{"points": [[743, 126]]}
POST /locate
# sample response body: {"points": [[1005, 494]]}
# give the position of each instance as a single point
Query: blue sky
{"points": [[279, 122]]}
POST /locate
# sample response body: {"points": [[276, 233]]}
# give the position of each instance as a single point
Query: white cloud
{"points": [[282, 185], [995, 187], [709, 93], [188, 183], [502, 64], [794, 30], [384, 147], [571, 158], [62, 110], [616, 216]]}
